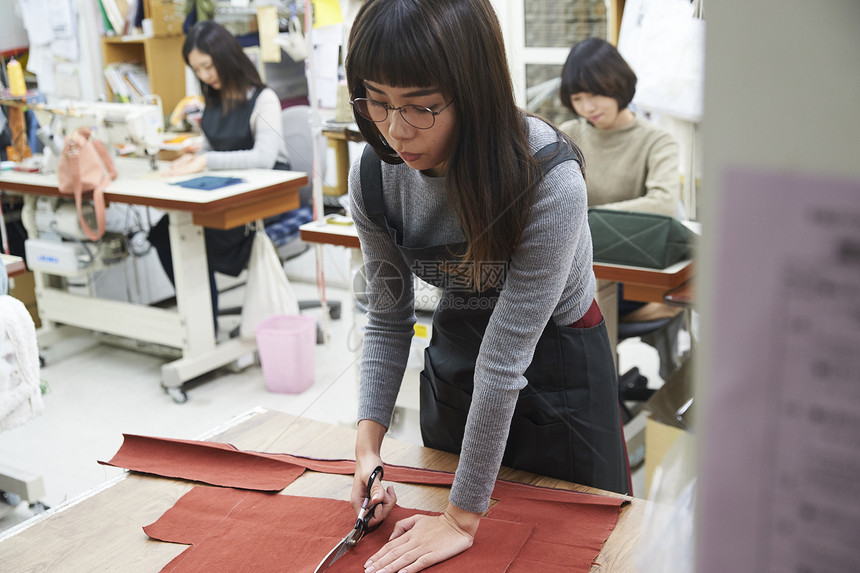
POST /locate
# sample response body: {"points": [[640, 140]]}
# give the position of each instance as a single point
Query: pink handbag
{"points": [[86, 166]]}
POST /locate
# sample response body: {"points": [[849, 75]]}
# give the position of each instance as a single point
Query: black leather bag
{"points": [[639, 239]]}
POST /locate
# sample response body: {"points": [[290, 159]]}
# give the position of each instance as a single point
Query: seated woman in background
{"points": [[241, 130], [633, 164]]}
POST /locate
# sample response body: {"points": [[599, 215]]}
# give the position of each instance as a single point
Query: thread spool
{"points": [[17, 86]]}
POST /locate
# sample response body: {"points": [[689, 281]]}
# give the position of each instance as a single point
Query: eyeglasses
{"points": [[417, 116]]}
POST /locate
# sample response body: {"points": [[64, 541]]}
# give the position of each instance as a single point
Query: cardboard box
{"points": [[670, 416], [23, 287], [659, 438], [167, 17]]}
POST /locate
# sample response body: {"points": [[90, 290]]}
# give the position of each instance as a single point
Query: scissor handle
{"points": [[367, 510], [377, 473]]}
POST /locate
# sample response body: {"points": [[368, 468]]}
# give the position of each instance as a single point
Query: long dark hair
{"points": [[235, 70], [455, 46]]}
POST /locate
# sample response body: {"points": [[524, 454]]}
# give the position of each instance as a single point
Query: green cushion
{"points": [[638, 239]]}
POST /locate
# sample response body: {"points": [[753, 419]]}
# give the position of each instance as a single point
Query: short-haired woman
{"points": [[632, 162]]}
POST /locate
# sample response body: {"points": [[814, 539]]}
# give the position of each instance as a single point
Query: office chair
{"points": [[284, 229], [661, 334]]}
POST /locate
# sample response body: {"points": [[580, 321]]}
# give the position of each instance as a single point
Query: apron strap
{"points": [[371, 186], [371, 175], [552, 154]]}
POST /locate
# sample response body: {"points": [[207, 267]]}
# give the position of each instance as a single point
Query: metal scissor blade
{"points": [[336, 553]]}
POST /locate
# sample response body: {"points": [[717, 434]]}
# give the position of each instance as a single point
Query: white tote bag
{"points": [[268, 292]]}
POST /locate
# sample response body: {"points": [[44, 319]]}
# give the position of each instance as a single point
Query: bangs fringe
{"points": [[387, 55]]}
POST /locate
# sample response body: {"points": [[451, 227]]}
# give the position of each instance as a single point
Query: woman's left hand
{"points": [[187, 164], [424, 540]]}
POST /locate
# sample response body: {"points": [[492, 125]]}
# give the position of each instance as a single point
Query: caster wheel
{"points": [[178, 395], [334, 312], [38, 507]]}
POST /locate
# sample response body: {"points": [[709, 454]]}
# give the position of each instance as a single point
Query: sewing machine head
{"points": [[124, 128]]}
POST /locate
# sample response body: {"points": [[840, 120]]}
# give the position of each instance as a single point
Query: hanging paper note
{"points": [[267, 24], [326, 13]]}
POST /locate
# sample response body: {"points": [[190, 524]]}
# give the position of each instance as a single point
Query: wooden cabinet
{"points": [[162, 58]]}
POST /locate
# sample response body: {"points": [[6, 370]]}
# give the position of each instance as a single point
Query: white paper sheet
{"points": [[326, 54], [38, 26], [781, 436], [41, 63], [665, 45]]}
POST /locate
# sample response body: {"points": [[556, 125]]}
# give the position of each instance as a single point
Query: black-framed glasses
{"points": [[417, 116]]}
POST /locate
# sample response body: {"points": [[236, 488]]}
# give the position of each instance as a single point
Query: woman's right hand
{"points": [[386, 498], [186, 164]]}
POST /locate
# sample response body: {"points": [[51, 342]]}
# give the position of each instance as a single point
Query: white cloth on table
{"points": [[20, 393]]}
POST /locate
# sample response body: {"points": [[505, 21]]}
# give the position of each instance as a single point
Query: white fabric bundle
{"points": [[20, 394]]}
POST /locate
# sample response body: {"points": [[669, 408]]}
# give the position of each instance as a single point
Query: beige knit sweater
{"points": [[631, 168]]}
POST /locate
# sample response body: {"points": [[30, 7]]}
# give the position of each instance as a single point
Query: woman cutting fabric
{"points": [[475, 196], [241, 130]]}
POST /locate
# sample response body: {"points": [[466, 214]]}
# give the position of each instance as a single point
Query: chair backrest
{"points": [[296, 121]]}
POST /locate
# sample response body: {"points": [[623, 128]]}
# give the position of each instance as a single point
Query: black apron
{"points": [[566, 423], [229, 250]]}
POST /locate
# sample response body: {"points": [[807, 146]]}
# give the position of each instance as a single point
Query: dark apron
{"points": [[228, 250], [566, 423]]}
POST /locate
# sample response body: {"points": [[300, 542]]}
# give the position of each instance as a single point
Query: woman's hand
{"points": [[368, 443], [187, 164], [386, 498], [423, 540]]}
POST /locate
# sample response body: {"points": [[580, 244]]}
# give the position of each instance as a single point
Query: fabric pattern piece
{"points": [[565, 529], [238, 531], [209, 182], [212, 463], [224, 465]]}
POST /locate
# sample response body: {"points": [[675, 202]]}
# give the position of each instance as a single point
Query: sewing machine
{"points": [[58, 245], [124, 128]]}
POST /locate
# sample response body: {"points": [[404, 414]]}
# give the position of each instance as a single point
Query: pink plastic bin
{"points": [[286, 344]]}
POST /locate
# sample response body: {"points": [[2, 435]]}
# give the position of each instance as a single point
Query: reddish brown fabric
{"points": [[569, 528], [207, 462], [223, 464], [567, 536], [235, 531]]}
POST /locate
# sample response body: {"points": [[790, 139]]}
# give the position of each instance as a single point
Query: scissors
{"points": [[359, 529]]}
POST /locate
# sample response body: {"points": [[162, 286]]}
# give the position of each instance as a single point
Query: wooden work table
{"points": [[261, 193], [102, 530], [672, 284], [14, 265], [640, 283]]}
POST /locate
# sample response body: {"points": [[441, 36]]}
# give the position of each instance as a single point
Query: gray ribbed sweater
{"points": [[550, 276]]}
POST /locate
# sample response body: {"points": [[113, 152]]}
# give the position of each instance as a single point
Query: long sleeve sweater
{"points": [[631, 168], [550, 277], [269, 146]]}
